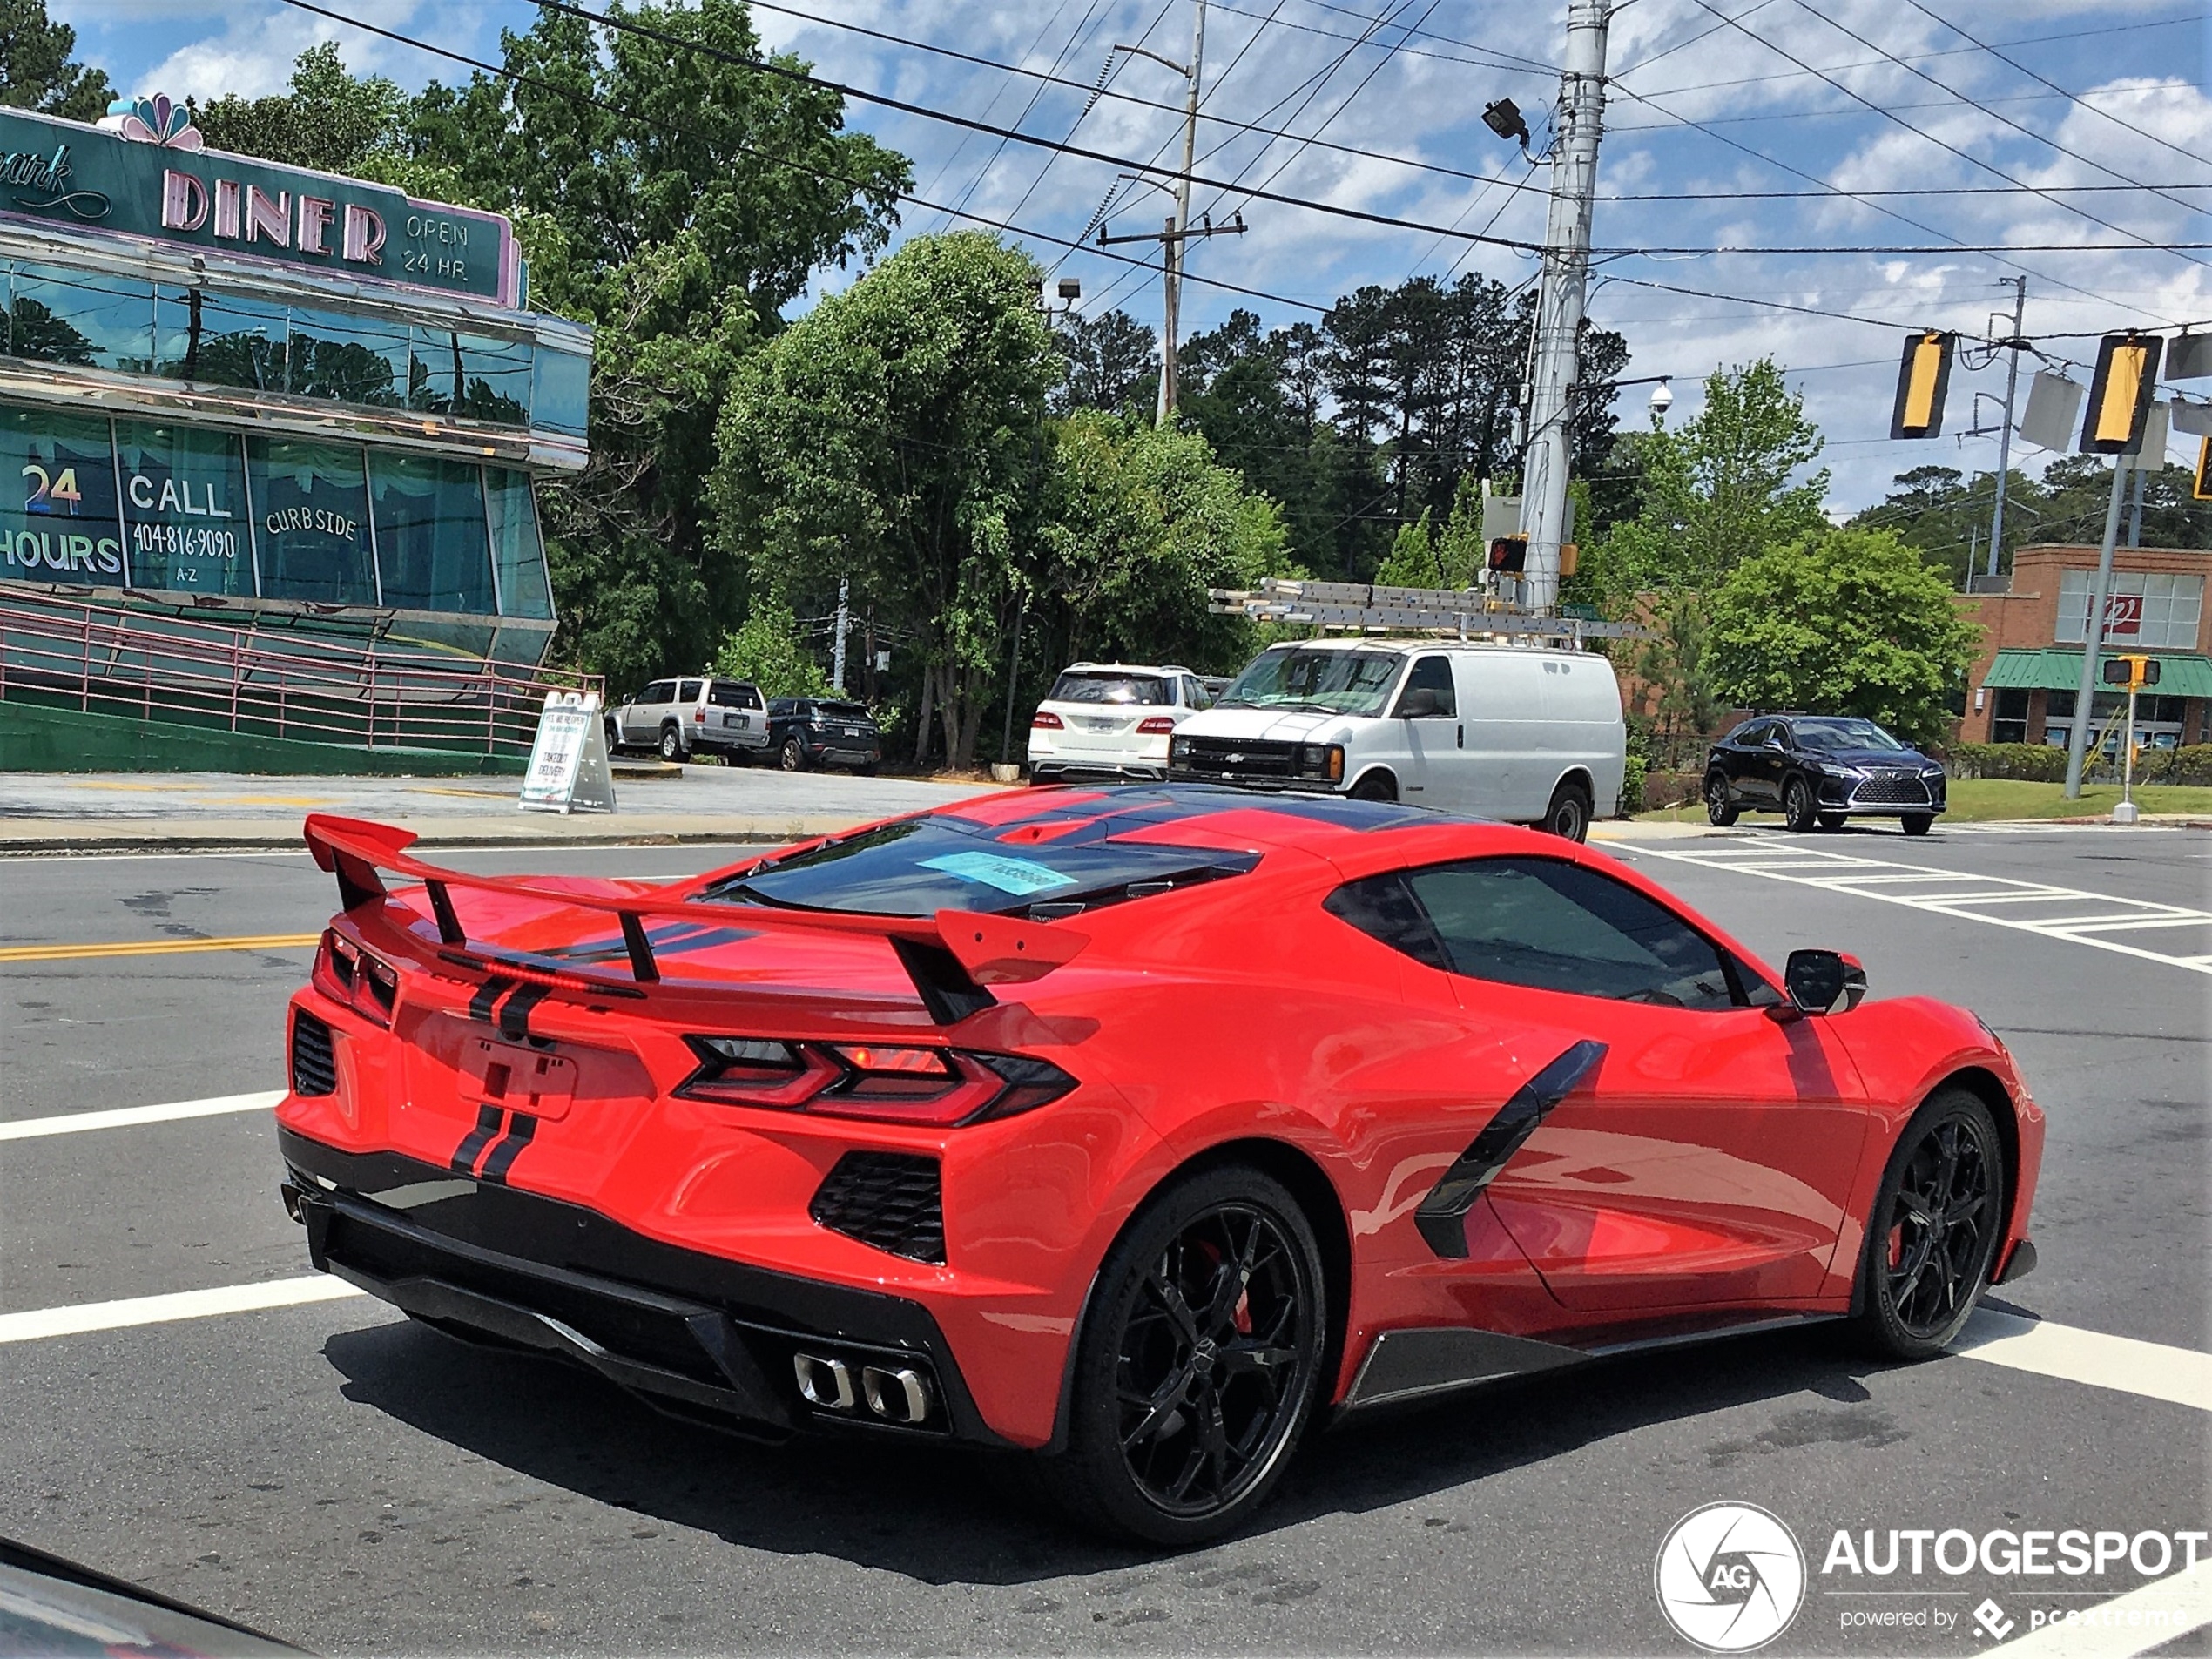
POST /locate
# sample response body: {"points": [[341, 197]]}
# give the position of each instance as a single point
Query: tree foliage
{"points": [[35, 71], [330, 119], [1843, 621], [767, 649]]}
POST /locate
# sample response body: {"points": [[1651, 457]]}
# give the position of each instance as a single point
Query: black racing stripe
{"points": [[515, 1012], [519, 1131], [472, 1147], [487, 994]]}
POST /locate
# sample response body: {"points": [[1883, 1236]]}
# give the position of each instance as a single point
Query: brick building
{"points": [[2023, 685]]}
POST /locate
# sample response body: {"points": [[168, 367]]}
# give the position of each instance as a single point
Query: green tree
{"points": [[35, 72], [1843, 621], [330, 119], [1671, 680], [1719, 491], [765, 649], [894, 435], [1412, 561]]}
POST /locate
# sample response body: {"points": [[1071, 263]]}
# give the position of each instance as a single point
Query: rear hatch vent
{"points": [[314, 1062], [891, 1200]]}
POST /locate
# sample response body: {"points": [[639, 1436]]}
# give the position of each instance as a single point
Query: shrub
{"points": [[2035, 762], [2189, 765]]}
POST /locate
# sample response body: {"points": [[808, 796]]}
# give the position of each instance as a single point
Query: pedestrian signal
{"points": [[1509, 554], [2120, 396], [2131, 673], [1922, 380]]}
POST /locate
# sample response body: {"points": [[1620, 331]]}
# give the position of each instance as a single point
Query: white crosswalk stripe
{"points": [[2070, 913]]}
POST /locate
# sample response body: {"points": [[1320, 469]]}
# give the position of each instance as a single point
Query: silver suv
{"points": [[682, 718]]}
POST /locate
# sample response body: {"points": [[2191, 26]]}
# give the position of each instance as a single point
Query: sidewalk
{"points": [[182, 812]]}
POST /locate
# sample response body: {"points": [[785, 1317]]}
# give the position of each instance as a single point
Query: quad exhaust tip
{"points": [[895, 1393]]}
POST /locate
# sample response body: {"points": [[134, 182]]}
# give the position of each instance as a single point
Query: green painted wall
{"points": [[38, 738]]}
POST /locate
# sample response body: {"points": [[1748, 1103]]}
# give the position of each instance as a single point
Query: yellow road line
{"points": [[152, 948]]}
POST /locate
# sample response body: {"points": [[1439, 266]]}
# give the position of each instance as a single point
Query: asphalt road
{"points": [[348, 1481]]}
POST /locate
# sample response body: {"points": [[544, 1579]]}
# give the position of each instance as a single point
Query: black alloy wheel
{"points": [[1720, 810], [1937, 1220], [1568, 815], [1199, 1365], [793, 757], [1833, 821], [1918, 823], [672, 744], [1798, 809]]}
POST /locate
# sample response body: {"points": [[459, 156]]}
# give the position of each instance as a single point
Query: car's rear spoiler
{"points": [[951, 957]]}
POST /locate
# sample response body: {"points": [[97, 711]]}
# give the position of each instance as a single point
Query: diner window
{"points": [[84, 319], [348, 360], [517, 552], [185, 519], [311, 519], [223, 340], [561, 390], [432, 548], [57, 517], [471, 375]]}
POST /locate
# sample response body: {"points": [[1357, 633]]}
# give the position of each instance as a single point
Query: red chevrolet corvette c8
{"points": [[1140, 1129]]}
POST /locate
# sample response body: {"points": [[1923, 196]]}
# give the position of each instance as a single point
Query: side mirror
{"points": [[1820, 981], [1419, 704]]}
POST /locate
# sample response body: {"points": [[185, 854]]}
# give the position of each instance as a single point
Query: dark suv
{"points": [[1816, 770], [807, 732]]}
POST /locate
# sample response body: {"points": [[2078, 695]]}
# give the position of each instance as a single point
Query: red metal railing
{"points": [[101, 659]]}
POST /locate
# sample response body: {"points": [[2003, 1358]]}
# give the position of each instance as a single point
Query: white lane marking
{"points": [[2146, 1618], [2091, 913], [37, 1324], [2181, 1376], [129, 1117]]}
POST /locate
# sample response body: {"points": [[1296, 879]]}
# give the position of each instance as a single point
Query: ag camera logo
{"points": [[1729, 1577]]}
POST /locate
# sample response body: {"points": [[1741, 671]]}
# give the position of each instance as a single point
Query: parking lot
{"points": [[324, 1471]]}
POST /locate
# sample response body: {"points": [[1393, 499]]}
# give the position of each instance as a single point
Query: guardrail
{"points": [[103, 660]]}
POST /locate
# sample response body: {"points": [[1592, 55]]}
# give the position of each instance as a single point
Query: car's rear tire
{"points": [[1932, 1236], [791, 756], [1720, 810], [1199, 1365], [1568, 815], [1918, 823], [1798, 809], [1833, 821], [614, 739], [1376, 785], [672, 744]]}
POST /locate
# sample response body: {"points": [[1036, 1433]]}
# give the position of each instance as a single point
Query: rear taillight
{"points": [[700, 715], [1046, 720], [937, 1088], [350, 976], [1158, 726]]}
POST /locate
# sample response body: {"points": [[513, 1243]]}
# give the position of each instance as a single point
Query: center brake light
{"points": [[351, 977], [935, 1088]]}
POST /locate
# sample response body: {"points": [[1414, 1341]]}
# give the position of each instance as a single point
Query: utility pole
{"points": [[2004, 439], [2092, 636], [844, 615], [1177, 230], [1559, 305]]}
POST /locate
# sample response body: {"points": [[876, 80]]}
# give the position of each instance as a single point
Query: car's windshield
{"points": [[1834, 737], [917, 867], [1325, 682], [1090, 687]]}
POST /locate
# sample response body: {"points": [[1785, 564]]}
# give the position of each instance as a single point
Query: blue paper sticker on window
{"points": [[1007, 875]]}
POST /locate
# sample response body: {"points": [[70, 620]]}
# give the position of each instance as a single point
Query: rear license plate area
{"points": [[535, 1081]]}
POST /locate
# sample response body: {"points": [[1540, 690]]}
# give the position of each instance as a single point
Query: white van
{"points": [[1522, 733]]}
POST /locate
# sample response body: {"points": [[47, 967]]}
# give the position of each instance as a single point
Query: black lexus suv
{"points": [[1816, 770]]}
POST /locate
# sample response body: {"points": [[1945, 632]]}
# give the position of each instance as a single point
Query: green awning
{"points": [[2058, 669]]}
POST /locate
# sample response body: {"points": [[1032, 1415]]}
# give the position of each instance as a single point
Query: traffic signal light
{"points": [[1509, 554], [2202, 489], [1922, 380], [2120, 396], [2131, 673]]}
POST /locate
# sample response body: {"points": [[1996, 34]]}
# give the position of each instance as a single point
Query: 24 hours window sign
{"points": [[152, 178]]}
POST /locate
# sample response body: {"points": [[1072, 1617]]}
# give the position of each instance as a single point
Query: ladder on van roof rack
{"points": [[1364, 607]]}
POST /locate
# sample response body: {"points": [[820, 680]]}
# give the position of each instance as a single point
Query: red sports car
{"points": [[1136, 1127]]}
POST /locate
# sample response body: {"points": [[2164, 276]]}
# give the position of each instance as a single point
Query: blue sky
{"points": [[1704, 108]]}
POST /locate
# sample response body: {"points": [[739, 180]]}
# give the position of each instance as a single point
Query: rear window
{"points": [[731, 694], [841, 711], [1089, 687], [919, 865]]}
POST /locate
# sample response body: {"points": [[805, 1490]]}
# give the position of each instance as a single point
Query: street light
{"points": [[1503, 118]]}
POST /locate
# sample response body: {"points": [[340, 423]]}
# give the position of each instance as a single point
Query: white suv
{"points": [[1530, 735], [1104, 722]]}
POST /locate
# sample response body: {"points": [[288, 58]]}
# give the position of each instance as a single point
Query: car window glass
{"points": [[1433, 674], [1090, 686], [659, 691], [1558, 926], [1749, 736], [1837, 737], [729, 694], [1778, 736], [1384, 908], [688, 692]]}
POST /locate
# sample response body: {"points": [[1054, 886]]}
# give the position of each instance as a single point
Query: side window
{"points": [[659, 691], [1557, 927], [1750, 736], [1434, 674], [1195, 694], [1383, 907], [688, 692], [1778, 736]]}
